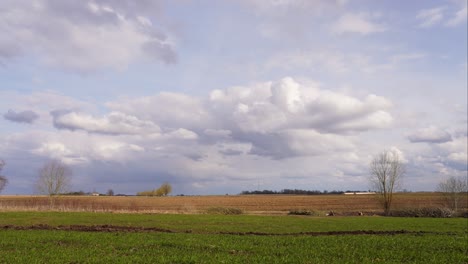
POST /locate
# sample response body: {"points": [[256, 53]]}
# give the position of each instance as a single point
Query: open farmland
{"points": [[59, 237], [250, 204], [181, 230]]}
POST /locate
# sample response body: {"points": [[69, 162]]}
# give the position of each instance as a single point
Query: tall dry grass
{"points": [[251, 204]]}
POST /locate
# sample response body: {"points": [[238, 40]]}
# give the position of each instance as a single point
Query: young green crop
{"points": [[237, 223], [427, 240], [85, 247]]}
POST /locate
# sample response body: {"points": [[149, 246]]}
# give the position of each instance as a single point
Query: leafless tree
{"points": [[454, 189], [386, 172], [54, 178], [3, 179], [110, 192]]}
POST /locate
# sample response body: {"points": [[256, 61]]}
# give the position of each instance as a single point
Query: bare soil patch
{"points": [[113, 228]]}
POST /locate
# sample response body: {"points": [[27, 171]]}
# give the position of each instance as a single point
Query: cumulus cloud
{"points": [[27, 116], [357, 23], [115, 123], [299, 142], [286, 104], [430, 135], [446, 159], [83, 36], [168, 110], [230, 135], [454, 152], [270, 116]]}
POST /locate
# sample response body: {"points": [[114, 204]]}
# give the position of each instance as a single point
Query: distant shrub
{"points": [[424, 212], [164, 190], [303, 212], [146, 193], [224, 211]]}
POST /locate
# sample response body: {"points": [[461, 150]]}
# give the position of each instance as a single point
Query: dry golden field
{"points": [[250, 204]]}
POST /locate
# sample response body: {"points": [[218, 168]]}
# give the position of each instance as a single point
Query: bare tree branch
{"points": [[386, 170], [3, 179], [454, 189], [54, 178]]}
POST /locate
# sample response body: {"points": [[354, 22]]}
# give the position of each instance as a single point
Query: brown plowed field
{"points": [[252, 204]]}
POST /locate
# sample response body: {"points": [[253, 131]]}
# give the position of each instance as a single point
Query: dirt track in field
{"points": [[112, 228]]}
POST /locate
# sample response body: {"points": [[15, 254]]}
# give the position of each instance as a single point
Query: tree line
{"points": [[292, 191], [163, 190], [54, 179], [386, 171]]}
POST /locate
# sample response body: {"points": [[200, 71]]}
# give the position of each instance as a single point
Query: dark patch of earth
{"points": [[113, 228]]}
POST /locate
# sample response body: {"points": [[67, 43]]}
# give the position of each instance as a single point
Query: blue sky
{"points": [[222, 96]]}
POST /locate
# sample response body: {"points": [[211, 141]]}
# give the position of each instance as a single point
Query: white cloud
{"points": [[168, 110], [114, 123], [451, 16], [53, 150], [82, 36], [430, 135], [357, 23], [279, 114], [430, 17], [454, 152], [286, 104], [459, 17], [458, 157], [275, 6]]}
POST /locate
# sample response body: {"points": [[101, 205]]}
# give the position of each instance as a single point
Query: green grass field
{"points": [[229, 239]]}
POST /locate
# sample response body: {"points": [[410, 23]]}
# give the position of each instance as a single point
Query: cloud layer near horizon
{"points": [[134, 93]]}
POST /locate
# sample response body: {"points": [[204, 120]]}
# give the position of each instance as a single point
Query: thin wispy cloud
{"points": [[430, 17], [360, 23], [450, 16]]}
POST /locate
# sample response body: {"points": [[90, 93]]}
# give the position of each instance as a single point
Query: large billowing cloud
{"points": [[83, 36], [26, 116], [287, 104], [273, 118]]}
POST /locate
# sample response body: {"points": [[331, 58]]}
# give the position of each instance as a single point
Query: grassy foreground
{"points": [[231, 239]]}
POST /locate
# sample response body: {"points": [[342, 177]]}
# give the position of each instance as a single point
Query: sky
{"points": [[218, 97]]}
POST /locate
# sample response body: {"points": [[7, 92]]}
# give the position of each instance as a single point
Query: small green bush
{"points": [[224, 210], [424, 212]]}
